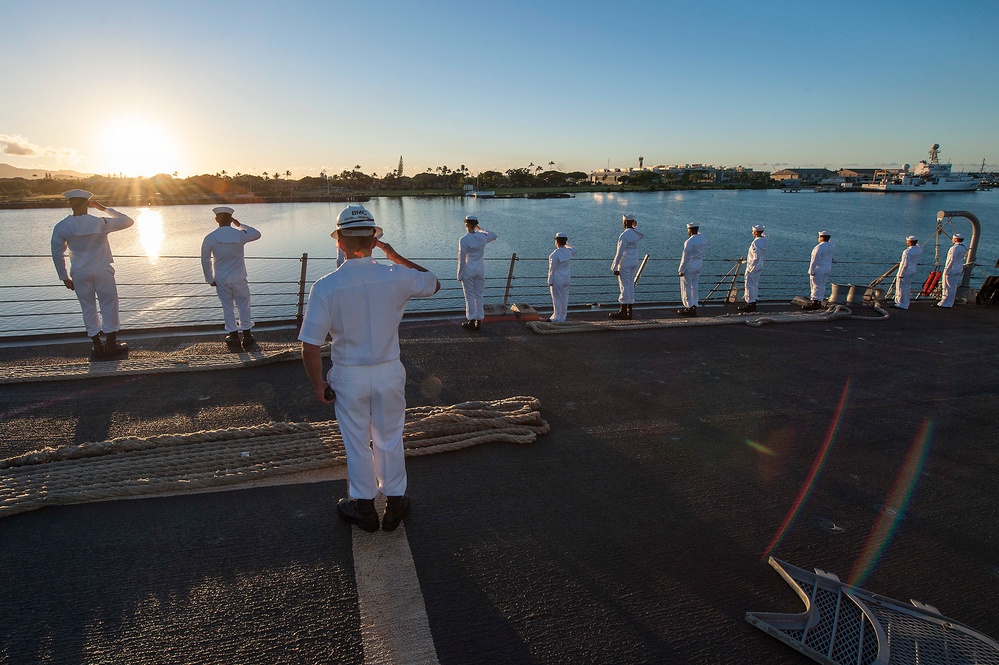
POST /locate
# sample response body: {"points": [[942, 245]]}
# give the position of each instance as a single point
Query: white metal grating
{"points": [[846, 625]]}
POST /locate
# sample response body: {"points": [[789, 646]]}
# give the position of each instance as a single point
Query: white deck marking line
{"points": [[394, 624]]}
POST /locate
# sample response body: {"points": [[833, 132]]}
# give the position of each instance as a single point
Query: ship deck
{"points": [[636, 531]]}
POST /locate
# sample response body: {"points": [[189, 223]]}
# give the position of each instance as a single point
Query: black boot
{"points": [[627, 312], [97, 353], [360, 512], [475, 324], [248, 341], [113, 348], [620, 314], [232, 342], [816, 304], [687, 311], [468, 325], [396, 507], [748, 307]]}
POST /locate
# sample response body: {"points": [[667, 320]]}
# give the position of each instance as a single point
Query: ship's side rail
{"points": [[170, 292]]}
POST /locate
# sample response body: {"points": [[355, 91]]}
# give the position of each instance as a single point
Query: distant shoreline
{"points": [[56, 201]]}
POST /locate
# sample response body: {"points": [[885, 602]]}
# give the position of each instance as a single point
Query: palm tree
{"points": [[287, 174]]}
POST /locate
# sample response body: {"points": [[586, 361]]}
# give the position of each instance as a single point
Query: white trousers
{"points": [[560, 298], [626, 282], [234, 297], [903, 285], [948, 290], [689, 288], [818, 282], [752, 285], [91, 289], [370, 412], [474, 289]]}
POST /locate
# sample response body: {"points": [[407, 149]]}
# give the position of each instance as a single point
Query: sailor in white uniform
{"points": [[691, 262], [359, 306], [222, 260], [754, 267], [91, 275], [625, 265], [819, 269], [952, 272], [906, 271], [472, 270], [559, 275]]}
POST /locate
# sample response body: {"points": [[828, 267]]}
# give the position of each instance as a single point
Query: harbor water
{"points": [[161, 283]]}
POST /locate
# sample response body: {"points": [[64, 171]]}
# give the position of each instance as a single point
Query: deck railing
{"points": [[172, 294]]}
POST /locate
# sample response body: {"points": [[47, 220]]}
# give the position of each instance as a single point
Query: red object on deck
{"points": [[931, 283]]}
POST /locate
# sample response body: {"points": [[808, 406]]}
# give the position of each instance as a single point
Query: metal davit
{"points": [[843, 624]]}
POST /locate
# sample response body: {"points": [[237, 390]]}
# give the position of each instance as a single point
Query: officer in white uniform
{"points": [[625, 265], [359, 306], [472, 270], [754, 267], [222, 260], [819, 269], [691, 262], [906, 271], [559, 275], [91, 275], [952, 272]]}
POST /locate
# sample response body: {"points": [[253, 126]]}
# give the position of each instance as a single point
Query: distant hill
{"points": [[8, 171]]}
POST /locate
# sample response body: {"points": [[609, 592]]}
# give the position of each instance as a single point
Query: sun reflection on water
{"points": [[150, 226]]}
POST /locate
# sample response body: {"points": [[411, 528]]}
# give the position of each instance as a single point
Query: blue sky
{"points": [[200, 87]]}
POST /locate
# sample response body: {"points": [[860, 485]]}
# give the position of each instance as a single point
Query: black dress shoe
{"points": [[232, 342], [360, 512], [748, 307], [396, 508], [468, 325], [248, 341]]}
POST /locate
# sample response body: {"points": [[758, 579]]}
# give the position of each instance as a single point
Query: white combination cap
{"points": [[628, 218], [825, 234], [355, 220], [759, 227], [561, 235], [78, 194], [693, 225], [471, 218], [958, 236], [912, 239], [223, 210]]}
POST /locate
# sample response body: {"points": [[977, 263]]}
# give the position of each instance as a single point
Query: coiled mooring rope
{"points": [[128, 467], [831, 313]]}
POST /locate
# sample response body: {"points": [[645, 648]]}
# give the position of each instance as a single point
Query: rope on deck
{"points": [[128, 467], [757, 319], [140, 364]]}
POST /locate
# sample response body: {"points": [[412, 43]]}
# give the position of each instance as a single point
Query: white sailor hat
{"points": [[825, 234], [77, 194], [561, 235], [628, 218], [958, 236], [355, 220], [759, 227], [912, 239], [223, 210], [471, 218], [693, 225]]}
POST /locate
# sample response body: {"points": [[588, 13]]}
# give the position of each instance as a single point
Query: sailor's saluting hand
{"points": [[95, 204]]}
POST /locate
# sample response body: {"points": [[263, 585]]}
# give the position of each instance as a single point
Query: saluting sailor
{"points": [[906, 271], [754, 267], [91, 275], [819, 269], [559, 275], [691, 263], [952, 271], [625, 265], [472, 270], [359, 306], [222, 260]]}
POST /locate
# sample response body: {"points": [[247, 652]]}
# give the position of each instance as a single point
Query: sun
{"points": [[138, 147]]}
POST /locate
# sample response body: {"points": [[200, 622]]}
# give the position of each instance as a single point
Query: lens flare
{"points": [[820, 461], [759, 447], [893, 510]]}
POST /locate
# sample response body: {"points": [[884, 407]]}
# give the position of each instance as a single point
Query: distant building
{"points": [[802, 176], [857, 176]]}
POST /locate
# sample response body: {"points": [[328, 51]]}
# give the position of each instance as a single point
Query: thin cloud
{"points": [[18, 146]]}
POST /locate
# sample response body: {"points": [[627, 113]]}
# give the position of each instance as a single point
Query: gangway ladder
{"points": [[733, 288]]}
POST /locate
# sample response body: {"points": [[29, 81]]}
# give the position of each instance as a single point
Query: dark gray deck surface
{"points": [[636, 532]]}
